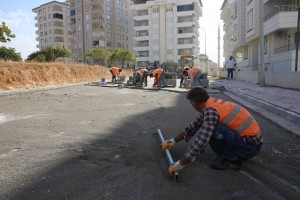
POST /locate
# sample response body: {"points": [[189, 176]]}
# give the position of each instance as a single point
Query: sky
{"points": [[18, 16]]}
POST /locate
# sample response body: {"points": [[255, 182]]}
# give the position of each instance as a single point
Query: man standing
{"points": [[229, 129], [115, 71], [230, 65], [159, 76]]}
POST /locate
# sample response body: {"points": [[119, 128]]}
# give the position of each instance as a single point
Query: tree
{"points": [[97, 53], [52, 53], [123, 55], [36, 56], [5, 33], [9, 54]]}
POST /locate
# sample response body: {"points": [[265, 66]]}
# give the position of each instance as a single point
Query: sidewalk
{"points": [[280, 105]]}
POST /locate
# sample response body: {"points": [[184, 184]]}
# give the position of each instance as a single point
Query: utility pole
{"points": [[261, 45], [219, 45], [206, 67], [298, 37]]}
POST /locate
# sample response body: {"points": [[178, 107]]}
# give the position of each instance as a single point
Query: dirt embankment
{"points": [[28, 75]]}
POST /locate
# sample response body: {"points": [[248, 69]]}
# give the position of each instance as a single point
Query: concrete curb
{"points": [[38, 89], [283, 112]]}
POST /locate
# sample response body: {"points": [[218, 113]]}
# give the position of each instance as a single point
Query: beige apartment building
{"points": [[165, 30], [242, 32], [52, 22], [103, 23]]}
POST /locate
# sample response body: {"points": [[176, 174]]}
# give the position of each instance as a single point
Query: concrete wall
{"points": [[289, 80]]}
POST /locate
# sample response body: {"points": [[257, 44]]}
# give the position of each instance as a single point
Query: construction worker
{"points": [[141, 76], [194, 74], [229, 129], [159, 76], [115, 71], [186, 68]]}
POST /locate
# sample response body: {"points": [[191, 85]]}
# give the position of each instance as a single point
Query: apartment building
{"points": [[103, 23], [242, 30], [164, 30], [52, 25]]}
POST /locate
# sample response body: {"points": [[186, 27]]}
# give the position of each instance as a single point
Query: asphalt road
{"points": [[88, 142]]}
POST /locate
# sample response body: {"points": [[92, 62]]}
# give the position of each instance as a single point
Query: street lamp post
{"points": [[298, 37], [205, 62]]}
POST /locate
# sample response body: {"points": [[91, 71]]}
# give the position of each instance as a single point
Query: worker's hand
{"points": [[168, 144], [175, 167]]}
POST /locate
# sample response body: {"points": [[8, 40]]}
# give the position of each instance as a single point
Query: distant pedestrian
{"points": [[229, 64]]}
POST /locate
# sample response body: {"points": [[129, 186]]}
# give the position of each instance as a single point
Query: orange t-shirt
{"points": [[157, 73], [115, 70]]}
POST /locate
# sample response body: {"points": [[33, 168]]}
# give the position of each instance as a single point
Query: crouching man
{"points": [[229, 129]]}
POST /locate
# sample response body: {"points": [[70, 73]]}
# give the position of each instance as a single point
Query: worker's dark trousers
{"points": [[113, 78], [230, 73], [228, 144], [144, 79]]}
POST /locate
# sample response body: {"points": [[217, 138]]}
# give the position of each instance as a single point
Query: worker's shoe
{"points": [[223, 164]]}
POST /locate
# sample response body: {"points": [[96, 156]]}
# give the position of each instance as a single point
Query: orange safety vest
{"points": [[192, 73], [115, 70], [157, 73], [234, 117]]}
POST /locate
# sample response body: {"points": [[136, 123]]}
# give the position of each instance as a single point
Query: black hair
{"points": [[197, 94], [120, 70]]}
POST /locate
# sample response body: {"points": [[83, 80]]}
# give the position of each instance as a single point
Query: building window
{"points": [[87, 17], [234, 35], [108, 44], [265, 45], [88, 35], [234, 10], [156, 52], [87, 26], [169, 9], [185, 8], [155, 10], [155, 42], [108, 35], [108, 8], [245, 56], [78, 2], [108, 1], [108, 17], [86, 8], [108, 26], [250, 20]]}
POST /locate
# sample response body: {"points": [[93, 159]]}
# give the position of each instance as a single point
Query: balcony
{"points": [[186, 24], [283, 17], [286, 48]]}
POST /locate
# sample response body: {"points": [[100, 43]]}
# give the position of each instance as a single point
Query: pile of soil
{"points": [[14, 75]]}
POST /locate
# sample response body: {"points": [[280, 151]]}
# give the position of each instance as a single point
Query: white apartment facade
{"points": [[242, 30], [164, 30], [53, 25], [100, 23]]}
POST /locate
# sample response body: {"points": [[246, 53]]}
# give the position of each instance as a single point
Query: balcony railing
{"points": [[283, 8], [286, 48]]}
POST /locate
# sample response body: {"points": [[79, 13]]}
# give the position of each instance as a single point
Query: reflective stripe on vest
{"points": [[233, 113]]}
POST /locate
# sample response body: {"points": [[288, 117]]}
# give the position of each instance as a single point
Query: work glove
{"points": [[175, 167], [168, 144]]}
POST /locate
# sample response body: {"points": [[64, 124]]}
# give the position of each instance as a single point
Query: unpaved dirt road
{"points": [[89, 142]]}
